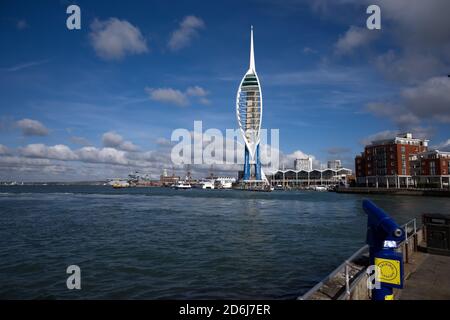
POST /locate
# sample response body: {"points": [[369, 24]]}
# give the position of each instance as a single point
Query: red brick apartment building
{"points": [[402, 161], [431, 168]]}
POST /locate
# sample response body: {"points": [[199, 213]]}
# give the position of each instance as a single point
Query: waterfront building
{"points": [[249, 115], [303, 164], [403, 161], [334, 164], [167, 181], [305, 178], [430, 169]]}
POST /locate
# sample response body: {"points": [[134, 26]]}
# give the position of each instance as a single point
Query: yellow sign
{"points": [[388, 271]]}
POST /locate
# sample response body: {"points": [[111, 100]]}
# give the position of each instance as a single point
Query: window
{"points": [[432, 168], [403, 149]]}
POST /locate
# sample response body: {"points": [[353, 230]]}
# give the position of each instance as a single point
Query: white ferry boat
{"points": [[225, 182], [182, 185]]}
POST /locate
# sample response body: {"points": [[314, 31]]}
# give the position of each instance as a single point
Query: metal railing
{"points": [[344, 266], [410, 231], [410, 226]]}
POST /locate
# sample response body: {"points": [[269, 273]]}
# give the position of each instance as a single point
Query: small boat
{"points": [[182, 185], [224, 182], [207, 184], [120, 185]]}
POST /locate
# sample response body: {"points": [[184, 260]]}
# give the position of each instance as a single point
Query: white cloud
{"points": [[58, 152], [177, 97], [443, 146], [113, 39], [417, 131], [187, 30], [354, 38], [287, 160], [430, 100], [409, 67], [168, 95], [31, 127], [112, 139], [199, 92], [104, 155], [128, 146], [417, 30], [4, 150], [308, 50], [386, 134], [196, 91], [204, 101], [21, 163]]}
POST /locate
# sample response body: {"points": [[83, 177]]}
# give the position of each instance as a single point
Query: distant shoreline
{"points": [[54, 183]]}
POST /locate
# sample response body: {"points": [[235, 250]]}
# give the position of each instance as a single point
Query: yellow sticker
{"points": [[389, 297], [389, 270]]}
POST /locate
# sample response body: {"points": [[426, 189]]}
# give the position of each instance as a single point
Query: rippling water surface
{"points": [[153, 243]]}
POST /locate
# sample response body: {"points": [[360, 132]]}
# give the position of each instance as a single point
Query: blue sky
{"points": [[328, 83]]}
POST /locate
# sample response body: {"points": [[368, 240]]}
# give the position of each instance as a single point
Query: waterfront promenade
{"points": [[395, 191], [430, 279]]}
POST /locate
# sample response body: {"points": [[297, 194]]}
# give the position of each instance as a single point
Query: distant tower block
{"points": [[249, 116]]}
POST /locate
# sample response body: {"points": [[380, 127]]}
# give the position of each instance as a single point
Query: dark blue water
{"points": [[152, 243]]}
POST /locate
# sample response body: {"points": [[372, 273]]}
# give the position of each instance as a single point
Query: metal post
{"points": [[347, 280]]}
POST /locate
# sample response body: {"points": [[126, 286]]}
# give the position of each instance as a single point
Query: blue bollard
{"points": [[383, 236]]}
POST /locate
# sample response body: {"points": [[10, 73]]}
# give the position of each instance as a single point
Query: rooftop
{"points": [[405, 138]]}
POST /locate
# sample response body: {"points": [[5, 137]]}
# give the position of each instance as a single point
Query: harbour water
{"points": [[156, 243]]}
